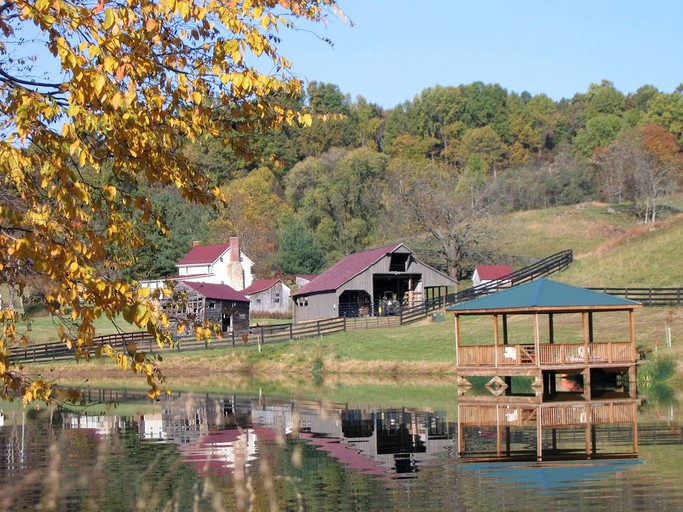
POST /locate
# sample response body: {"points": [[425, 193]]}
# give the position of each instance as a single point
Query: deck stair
{"points": [[528, 354]]}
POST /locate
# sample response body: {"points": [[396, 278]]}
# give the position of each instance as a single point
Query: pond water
{"points": [[259, 451]]}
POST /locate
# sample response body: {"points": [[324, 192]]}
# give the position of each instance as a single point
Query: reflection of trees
{"points": [[656, 379], [78, 469]]}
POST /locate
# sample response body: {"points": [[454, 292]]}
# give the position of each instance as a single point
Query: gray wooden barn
{"points": [[216, 303], [269, 297], [362, 284]]}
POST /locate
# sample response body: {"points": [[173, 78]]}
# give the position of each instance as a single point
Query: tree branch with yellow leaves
{"points": [[126, 84]]}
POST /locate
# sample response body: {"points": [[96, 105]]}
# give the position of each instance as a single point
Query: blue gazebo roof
{"points": [[543, 295]]}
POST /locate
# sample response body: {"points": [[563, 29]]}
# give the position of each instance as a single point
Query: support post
{"points": [[537, 339], [495, 340], [457, 339]]}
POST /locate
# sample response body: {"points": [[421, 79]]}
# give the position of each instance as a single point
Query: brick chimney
{"points": [[234, 249], [195, 243], [235, 270]]}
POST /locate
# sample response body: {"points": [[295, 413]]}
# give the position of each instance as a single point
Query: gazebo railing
{"points": [[550, 354]]}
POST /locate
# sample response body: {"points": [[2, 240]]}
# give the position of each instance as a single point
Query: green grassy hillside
{"points": [[611, 248]]}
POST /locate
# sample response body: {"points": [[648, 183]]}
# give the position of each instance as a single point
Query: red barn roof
{"points": [[217, 291], [345, 269], [492, 272], [260, 286], [204, 254]]}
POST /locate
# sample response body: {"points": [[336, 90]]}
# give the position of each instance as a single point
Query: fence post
{"points": [[291, 332], [233, 337]]}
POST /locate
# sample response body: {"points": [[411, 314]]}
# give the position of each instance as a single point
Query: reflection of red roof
{"points": [[204, 254], [260, 286], [347, 455], [217, 291], [343, 270], [491, 272], [208, 454]]}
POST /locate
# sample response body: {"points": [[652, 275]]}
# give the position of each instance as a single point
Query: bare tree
{"points": [[642, 165], [440, 203]]}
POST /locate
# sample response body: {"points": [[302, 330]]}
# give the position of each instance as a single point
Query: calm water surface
{"points": [[261, 452]]}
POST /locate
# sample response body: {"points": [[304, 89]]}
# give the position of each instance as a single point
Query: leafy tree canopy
{"points": [[299, 250], [132, 82]]}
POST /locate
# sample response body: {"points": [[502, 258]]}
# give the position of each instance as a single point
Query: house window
{"points": [[277, 298], [258, 300], [212, 305]]}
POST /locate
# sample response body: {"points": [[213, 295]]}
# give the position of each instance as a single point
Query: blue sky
{"points": [[397, 48]]}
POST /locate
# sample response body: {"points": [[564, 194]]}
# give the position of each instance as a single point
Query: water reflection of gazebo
{"points": [[536, 334], [516, 430]]}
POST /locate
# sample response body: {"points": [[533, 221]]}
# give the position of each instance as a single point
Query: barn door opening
{"points": [[355, 303], [226, 322]]}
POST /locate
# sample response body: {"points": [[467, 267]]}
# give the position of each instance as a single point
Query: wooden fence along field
{"points": [[647, 296], [255, 335], [278, 333]]}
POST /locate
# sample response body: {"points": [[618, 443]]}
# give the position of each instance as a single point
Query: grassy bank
{"points": [[425, 349]]}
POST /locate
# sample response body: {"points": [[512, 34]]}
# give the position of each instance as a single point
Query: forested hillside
{"points": [[436, 172]]}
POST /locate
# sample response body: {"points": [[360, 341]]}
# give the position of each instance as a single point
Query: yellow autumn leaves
{"points": [[134, 82]]}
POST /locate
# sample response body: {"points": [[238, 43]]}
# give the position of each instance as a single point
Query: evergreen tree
{"points": [[300, 251]]}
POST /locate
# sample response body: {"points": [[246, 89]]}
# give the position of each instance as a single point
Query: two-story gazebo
{"points": [[554, 332]]}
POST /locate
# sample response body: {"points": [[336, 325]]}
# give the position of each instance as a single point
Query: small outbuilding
{"points": [[361, 283], [269, 296], [216, 303], [484, 274]]}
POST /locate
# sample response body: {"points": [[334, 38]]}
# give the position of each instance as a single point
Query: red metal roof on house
{"points": [[204, 254], [260, 286], [217, 291], [346, 269], [490, 272]]}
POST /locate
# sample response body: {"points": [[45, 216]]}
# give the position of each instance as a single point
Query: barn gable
{"points": [[358, 284]]}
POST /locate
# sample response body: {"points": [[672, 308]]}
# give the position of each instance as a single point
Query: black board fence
{"points": [[142, 341], [544, 267], [647, 296]]}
